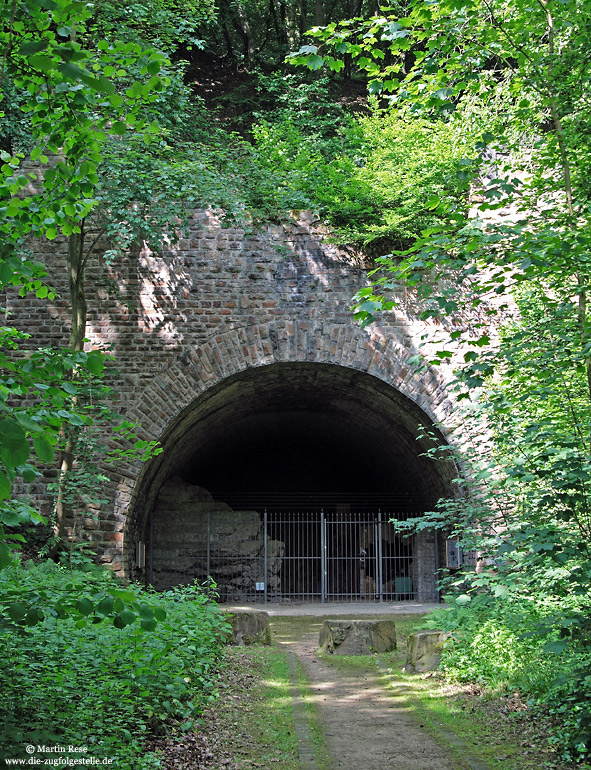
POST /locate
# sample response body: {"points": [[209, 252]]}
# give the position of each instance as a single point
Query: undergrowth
{"points": [[80, 680], [510, 647]]}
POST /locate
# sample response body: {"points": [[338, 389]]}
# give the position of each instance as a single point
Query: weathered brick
{"points": [[178, 329]]}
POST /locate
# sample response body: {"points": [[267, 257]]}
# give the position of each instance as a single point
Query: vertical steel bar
{"points": [[293, 535], [301, 532], [286, 536], [208, 554], [322, 557], [151, 556], [365, 577], [298, 549], [266, 558], [369, 557], [308, 570], [353, 532], [380, 564], [313, 586], [310, 564], [317, 551], [351, 550]]}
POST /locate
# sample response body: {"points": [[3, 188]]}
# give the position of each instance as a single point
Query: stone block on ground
{"points": [[248, 627], [358, 637], [423, 651]]}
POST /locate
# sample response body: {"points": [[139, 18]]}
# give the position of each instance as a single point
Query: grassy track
{"points": [[258, 716], [254, 716]]}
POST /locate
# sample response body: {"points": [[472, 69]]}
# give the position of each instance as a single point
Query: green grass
{"points": [[262, 720], [461, 723], [463, 720], [481, 732]]}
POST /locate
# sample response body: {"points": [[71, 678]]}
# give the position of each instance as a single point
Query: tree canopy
{"points": [[463, 176]]}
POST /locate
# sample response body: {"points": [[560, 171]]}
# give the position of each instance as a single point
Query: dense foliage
{"points": [[81, 678], [86, 661], [517, 75], [368, 176], [465, 174], [492, 645]]}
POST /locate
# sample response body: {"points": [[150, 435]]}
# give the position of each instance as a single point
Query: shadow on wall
{"points": [[240, 354]]}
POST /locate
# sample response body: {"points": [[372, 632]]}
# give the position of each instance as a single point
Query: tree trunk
{"points": [[78, 311], [318, 13], [302, 26], [241, 25]]}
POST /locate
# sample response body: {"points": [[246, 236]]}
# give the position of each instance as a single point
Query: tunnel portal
{"points": [[280, 483]]}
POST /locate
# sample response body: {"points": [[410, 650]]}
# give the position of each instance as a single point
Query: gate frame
{"points": [[325, 595]]}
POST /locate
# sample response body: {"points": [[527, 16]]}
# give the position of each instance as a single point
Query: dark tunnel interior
{"points": [[297, 428], [284, 476]]}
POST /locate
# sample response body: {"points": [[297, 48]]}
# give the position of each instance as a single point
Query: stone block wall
{"points": [[192, 532]]}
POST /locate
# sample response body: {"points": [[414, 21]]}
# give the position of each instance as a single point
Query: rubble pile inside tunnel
{"points": [[187, 517]]}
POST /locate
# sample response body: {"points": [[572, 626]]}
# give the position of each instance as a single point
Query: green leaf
{"points": [[119, 128], [14, 447], [314, 62], [71, 72], [28, 423], [30, 474], [123, 595], [146, 612], [95, 363], [5, 486], [44, 64], [44, 450], [105, 606], [6, 556], [128, 616], [31, 47], [556, 647], [85, 606], [17, 611], [33, 617]]}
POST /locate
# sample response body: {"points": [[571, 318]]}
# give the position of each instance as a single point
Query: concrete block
{"points": [[423, 652], [358, 637], [248, 627]]}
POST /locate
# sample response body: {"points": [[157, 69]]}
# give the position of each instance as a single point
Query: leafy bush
{"points": [[91, 679], [372, 176], [517, 646]]}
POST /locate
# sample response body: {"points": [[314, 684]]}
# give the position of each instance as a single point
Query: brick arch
{"points": [[197, 371], [238, 349]]}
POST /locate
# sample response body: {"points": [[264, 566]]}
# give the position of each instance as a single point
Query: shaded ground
{"points": [[290, 707], [238, 731], [363, 727]]}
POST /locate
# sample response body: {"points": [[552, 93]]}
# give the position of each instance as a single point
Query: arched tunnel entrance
{"points": [[281, 482]]}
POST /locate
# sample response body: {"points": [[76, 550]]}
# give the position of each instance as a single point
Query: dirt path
{"points": [[366, 724], [287, 707], [365, 727]]}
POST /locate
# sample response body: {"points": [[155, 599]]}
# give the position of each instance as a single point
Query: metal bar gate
{"points": [[314, 556]]}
